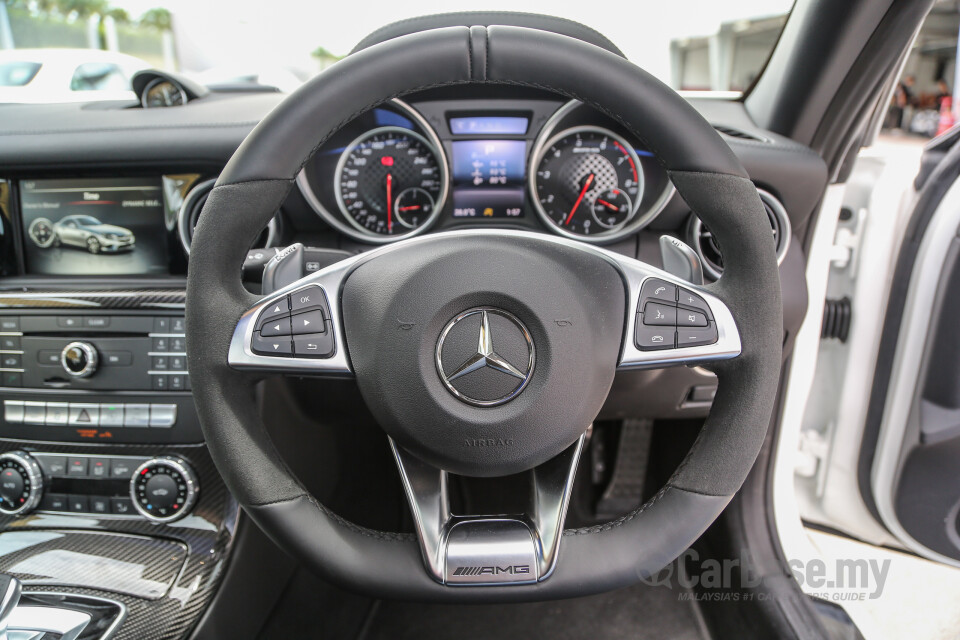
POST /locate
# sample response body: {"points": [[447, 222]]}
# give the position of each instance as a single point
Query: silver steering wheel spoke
{"points": [[669, 321], [497, 549]]}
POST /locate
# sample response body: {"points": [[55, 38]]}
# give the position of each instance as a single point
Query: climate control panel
{"points": [[159, 489]]}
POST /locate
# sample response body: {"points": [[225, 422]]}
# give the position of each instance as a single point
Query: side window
{"points": [[99, 76], [70, 224]]}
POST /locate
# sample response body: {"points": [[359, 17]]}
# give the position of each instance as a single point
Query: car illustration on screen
{"points": [[82, 231]]}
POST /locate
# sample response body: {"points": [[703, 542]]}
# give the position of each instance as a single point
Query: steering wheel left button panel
{"points": [[298, 324]]}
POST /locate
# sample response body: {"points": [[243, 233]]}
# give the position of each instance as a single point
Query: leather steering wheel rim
{"points": [[706, 174]]}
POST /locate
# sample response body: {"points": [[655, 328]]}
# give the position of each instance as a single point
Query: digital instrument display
{"points": [[488, 178], [94, 226], [489, 125]]}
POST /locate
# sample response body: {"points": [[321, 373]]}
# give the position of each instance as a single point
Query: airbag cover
{"points": [[396, 306]]}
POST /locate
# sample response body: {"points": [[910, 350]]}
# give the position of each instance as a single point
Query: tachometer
{"points": [[390, 181], [588, 181]]}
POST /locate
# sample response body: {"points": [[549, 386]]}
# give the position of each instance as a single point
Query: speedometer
{"points": [[588, 182], [390, 181]]}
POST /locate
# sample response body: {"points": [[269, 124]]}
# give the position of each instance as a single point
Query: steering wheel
{"points": [[484, 353]]}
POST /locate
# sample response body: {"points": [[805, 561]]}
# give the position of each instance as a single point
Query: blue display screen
{"points": [[488, 178], [489, 125]]}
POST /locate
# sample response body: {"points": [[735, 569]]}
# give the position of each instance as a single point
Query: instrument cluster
{"points": [[403, 169]]}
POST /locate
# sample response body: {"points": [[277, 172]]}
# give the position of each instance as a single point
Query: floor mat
{"points": [[636, 613]]}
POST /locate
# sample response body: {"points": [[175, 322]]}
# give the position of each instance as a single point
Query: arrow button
{"points": [[271, 346], [275, 327], [309, 322]]}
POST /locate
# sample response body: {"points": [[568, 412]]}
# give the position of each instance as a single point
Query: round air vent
{"points": [[190, 214], [705, 244]]}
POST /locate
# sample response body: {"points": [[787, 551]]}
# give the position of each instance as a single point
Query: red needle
{"points": [[389, 203], [413, 207], [612, 207], [583, 192]]}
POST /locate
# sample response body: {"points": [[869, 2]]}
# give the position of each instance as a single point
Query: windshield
{"points": [[73, 50]]}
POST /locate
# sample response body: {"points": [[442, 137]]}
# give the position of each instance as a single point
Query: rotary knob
{"points": [[164, 489], [79, 359], [21, 483]]}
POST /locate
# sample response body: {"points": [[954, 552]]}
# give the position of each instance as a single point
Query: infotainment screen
{"points": [[94, 226]]}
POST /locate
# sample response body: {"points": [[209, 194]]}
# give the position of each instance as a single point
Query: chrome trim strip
{"points": [[633, 271]]}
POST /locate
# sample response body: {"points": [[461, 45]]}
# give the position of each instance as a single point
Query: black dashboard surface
{"points": [[108, 139]]}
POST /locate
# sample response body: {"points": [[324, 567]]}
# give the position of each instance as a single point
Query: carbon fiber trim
{"points": [[206, 536], [152, 299], [133, 565]]}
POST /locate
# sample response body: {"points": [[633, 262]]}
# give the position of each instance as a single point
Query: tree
{"points": [[158, 18], [83, 8], [323, 54], [120, 16]]}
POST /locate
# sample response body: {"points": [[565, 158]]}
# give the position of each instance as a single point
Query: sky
{"points": [[284, 32]]}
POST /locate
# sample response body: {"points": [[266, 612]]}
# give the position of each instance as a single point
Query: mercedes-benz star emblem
{"points": [[485, 356]]}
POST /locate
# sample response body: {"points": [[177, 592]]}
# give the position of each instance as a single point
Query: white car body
{"points": [[71, 75]]}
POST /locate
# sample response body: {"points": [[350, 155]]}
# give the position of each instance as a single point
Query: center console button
{"points": [[122, 467], [96, 322], [121, 506], [53, 466], [47, 357], [111, 415], [10, 343], [118, 358], [77, 467], [69, 322], [9, 323], [99, 467], [34, 412], [54, 502], [136, 415], [163, 415], [78, 504], [13, 411], [99, 504], [178, 325], [84, 414], [57, 413], [11, 361]]}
